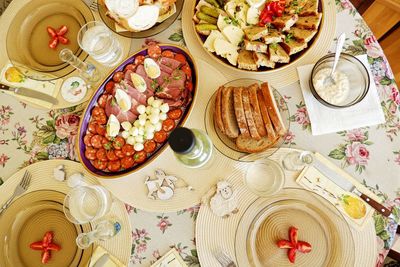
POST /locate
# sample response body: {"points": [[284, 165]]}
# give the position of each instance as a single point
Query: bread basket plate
{"points": [[319, 223], [156, 29], [226, 145]]}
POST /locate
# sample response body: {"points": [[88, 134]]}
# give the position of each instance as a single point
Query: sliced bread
{"points": [[218, 110], [285, 22], [264, 112], [249, 115], [255, 46], [228, 113], [263, 61], [246, 60], [273, 36], [273, 110], [310, 8], [255, 110], [277, 54], [309, 22], [251, 145], [301, 35], [292, 46], [239, 111], [255, 32]]}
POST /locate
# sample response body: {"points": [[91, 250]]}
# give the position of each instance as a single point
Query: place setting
{"points": [[233, 116]]}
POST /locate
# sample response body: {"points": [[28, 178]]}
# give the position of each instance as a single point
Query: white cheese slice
{"points": [[209, 43], [255, 3], [233, 34], [224, 48], [233, 58], [223, 21]]}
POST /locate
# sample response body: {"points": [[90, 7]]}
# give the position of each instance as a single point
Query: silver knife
{"points": [[346, 185], [29, 93]]}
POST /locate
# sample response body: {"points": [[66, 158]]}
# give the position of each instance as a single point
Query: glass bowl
{"points": [[355, 71]]}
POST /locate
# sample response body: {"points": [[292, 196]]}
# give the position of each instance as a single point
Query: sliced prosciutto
{"points": [[170, 62], [113, 108]]}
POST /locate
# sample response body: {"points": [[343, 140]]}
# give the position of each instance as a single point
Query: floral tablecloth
{"points": [[370, 154]]}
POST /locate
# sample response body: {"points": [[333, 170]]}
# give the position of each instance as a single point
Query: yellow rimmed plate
{"points": [[28, 219]]}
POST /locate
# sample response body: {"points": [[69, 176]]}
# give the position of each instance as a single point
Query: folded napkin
{"points": [[170, 259], [328, 120], [98, 253], [11, 77]]}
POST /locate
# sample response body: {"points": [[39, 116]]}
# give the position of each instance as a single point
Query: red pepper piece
{"points": [[303, 246], [62, 30], [53, 43], [51, 32], [36, 245], [46, 256], [285, 244], [293, 235], [48, 238], [63, 40], [292, 255], [54, 247]]}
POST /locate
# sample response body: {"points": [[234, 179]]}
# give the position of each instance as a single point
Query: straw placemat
{"points": [[213, 232], [280, 77], [132, 190], [5, 21], [42, 179]]}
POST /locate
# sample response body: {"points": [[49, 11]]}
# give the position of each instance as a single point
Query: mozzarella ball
{"points": [[155, 111], [157, 103], [130, 140], [150, 128], [125, 134], [149, 135], [134, 131], [158, 126], [154, 118], [163, 116], [126, 125], [164, 108], [141, 130], [139, 139], [150, 100], [148, 110], [138, 147], [141, 109], [136, 123]]}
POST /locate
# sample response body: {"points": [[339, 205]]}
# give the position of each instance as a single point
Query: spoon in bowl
{"points": [[340, 42]]}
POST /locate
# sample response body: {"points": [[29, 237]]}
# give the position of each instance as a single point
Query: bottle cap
{"points": [[182, 140]]}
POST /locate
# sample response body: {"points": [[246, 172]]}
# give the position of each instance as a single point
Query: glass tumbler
{"points": [[84, 204], [100, 43]]}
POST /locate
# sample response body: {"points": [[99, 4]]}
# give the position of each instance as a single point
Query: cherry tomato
{"points": [[101, 154], [160, 136], [189, 86], [110, 87], [100, 119], [127, 162], [63, 40], [111, 155], [62, 30], [128, 150], [139, 60], [174, 114], [102, 101], [168, 54], [96, 141], [119, 142], [101, 129], [118, 76], [98, 111], [130, 67], [90, 153], [168, 125], [150, 146], [100, 165], [87, 138], [119, 153], [154, 51], [114, 166], [187, 70], [52, 33], [180, 58], [140, 157], [53, 43]]}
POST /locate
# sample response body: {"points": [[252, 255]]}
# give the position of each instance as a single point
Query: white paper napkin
{"points": [[328, 120]]}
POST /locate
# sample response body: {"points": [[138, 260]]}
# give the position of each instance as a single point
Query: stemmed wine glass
{"points": [[296, 161]]}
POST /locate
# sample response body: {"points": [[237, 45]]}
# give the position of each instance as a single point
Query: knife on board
{"points": [[346, 185], [29, 93]]}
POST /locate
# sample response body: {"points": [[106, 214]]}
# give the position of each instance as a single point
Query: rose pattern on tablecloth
{"points": [[40, 137]]}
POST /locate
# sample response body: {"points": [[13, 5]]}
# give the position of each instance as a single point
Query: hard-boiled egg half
{"points": [[138, 82], [113, 126], [151, 68], [123, 100], [145, 17]]}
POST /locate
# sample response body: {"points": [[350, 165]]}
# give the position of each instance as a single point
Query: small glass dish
{"points": [[355, 71]]}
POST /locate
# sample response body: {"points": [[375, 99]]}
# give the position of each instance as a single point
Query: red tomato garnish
{"points": [[110, 87], [119, 142], [118, 76], [168, 54], [160, 136], [37, 245], [46, 245], [140, 157], [46, 256], [180, 58], [63, 40], [150, 146], [52, 33], [174, 114], [53, 43], [62, 30]]}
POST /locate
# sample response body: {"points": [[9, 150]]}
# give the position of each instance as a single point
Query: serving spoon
{"points": [[340, 42]]}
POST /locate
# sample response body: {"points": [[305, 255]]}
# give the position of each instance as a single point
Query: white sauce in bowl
{"points": [[335, 94]]}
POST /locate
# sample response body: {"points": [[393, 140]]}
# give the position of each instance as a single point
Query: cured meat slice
{"points": [[170, 62], [165, 68], [170, 92], [112, 107], [134, 93], [126, 116], [141, 72], [164, 77], [173, 103]]}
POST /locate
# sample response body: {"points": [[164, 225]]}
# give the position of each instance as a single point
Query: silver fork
{"points": [[223, 259], [21, 188], [92, 4]]}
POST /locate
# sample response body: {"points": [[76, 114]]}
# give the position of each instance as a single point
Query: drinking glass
{"points": [[85, 204], [296, 161], [100, 43], [264, 177], [104, 230]]}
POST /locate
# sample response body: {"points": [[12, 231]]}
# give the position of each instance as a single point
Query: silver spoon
{"points": [[339, 47]]}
